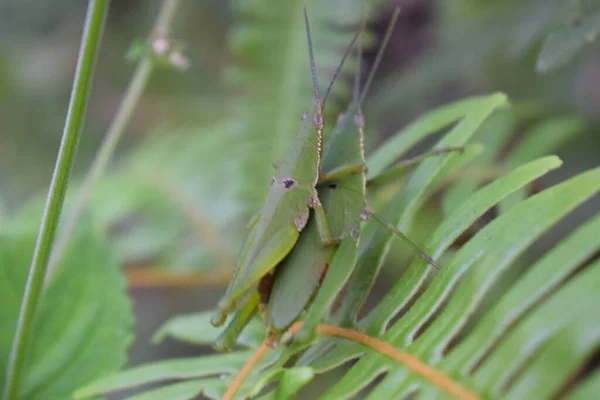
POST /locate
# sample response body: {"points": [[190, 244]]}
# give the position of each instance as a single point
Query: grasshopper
{"points": [[342, 190], [292, 193]]}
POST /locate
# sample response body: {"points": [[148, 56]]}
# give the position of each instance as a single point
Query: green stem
{"points": [[92, 33], [115, 131]]}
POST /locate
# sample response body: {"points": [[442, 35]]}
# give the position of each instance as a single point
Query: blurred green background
{"points": [[197, 154]]}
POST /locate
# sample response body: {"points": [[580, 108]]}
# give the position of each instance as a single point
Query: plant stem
{"points": [[115, 131], [437, 378], [92, 33]]}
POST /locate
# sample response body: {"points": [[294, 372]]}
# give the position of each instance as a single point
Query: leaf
{"points": [[164, 370], [541, 280], [187, 390], [588, 389], [196, 329], [480, 263], [544, 137], [375, 241], [84, 324], [292, 381], [430, 123], [564, 43], [403, 292]]}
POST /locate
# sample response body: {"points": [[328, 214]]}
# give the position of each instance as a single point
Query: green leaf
{"points": [[84, 324], [164, 370], [196, 329], [428, 124], [187, 390], [292, 381], [566, 312], [588, 389], [541, 280], [479, 264], [375, 241], [405, 291]]}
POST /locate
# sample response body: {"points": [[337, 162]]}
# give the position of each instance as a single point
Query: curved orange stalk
{"points": [[409, 361], [245, 371]]}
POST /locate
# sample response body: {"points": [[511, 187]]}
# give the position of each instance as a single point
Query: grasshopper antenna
{"points": [[313, 69], [346, 53], [359, 51], [384, 44]]}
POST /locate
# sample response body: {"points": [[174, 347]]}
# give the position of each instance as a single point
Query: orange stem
{"points": [[245, 371], [409, 361]]}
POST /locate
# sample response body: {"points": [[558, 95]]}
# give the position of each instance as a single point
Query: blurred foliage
{"points": [[171, 199], [179, 193], [84, 324]]}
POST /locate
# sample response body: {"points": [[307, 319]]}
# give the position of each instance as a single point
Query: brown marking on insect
{"points": [[265, 285], [314, 201], [300, 220], [355, 234], [365, 213]]}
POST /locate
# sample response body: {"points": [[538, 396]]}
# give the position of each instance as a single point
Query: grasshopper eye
{"points": [[332, 186]]}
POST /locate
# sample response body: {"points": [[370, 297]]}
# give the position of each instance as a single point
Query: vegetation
{"points": [[510, 315]]}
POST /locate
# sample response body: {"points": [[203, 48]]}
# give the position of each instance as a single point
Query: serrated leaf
{"points": [[84, 324]]}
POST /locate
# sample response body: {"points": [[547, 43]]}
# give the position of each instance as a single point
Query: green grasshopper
{"points": [[342, 190], [275, 230]]}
